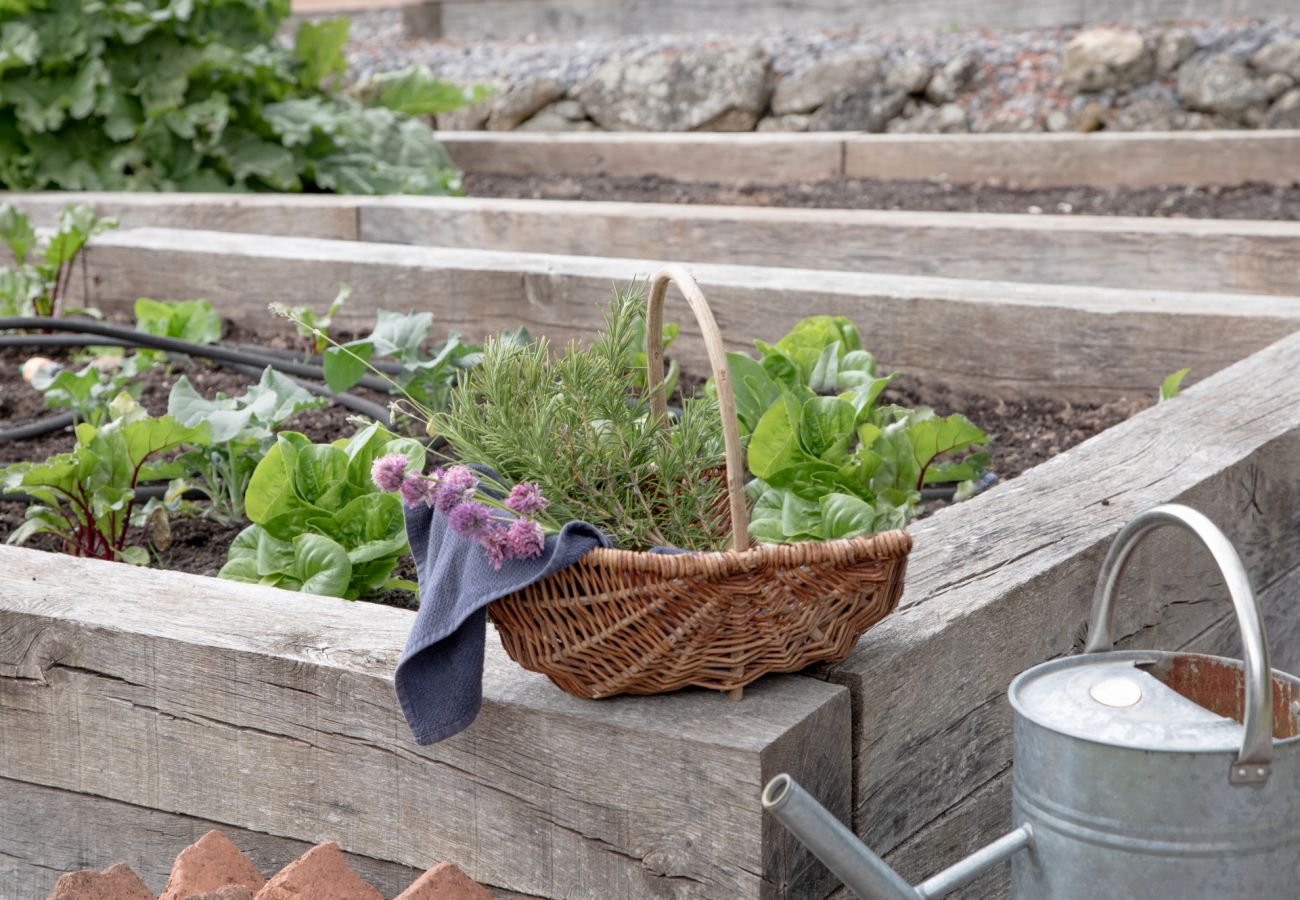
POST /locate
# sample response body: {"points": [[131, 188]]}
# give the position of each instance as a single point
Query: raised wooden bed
{"points": [[1132, 253], [144, 707], [1108, 159], [1077, 342]]}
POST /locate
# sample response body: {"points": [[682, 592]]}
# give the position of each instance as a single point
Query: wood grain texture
{"points": [[321, 215], [1103, 159], [500, 19], [1156, 254], [275, 713], [1076, 343], [45, 832], [694, 156], [1004, 582]]}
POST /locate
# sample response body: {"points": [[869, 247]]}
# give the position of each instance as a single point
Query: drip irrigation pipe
{"points": [[388, 368], [63, 420], [172, 345]]}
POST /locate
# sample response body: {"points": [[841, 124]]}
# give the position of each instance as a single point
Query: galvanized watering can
{"points": [[1138, 773]]}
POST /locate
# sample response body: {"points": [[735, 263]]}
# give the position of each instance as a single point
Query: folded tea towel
{"points": [[440, 675]]}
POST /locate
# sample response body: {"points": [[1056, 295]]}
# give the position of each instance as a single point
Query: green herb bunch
{"points": [[580, 427]]}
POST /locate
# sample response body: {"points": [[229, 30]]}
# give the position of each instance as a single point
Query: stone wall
{"points": [[1133, 79]]}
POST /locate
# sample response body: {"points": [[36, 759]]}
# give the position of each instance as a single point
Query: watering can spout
{"points": [[853, 862]]}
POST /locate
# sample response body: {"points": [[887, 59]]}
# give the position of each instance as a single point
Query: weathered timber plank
{"points": [[1001, 583], [1155, 254], [1104, 159], [500, 19], [1108, 159], [1073, 342], [986, 812], [694, 156], [319, 215], [1159, 254], [274, 712], [45, 832]]}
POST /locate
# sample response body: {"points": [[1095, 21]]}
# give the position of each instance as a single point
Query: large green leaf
{"points": [[321, 565], [188, 320], [17, 232], [319, 46], [417, 92], [775, 442]]}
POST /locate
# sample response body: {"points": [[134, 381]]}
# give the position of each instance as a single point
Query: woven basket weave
{"points": [[623, 622]]}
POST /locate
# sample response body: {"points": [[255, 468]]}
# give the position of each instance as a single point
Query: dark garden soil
{"points": [[1022, 434], [1249, 201]]}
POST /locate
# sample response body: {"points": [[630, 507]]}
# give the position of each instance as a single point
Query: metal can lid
{"points": [[1108, 698]]}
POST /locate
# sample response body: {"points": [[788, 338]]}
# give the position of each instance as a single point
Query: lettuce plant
{"points": [[828, 460], [321, 526], [87, 497], [37, 288]]}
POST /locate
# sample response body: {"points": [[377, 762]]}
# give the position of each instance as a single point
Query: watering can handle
{"points": [[1252, 765]]}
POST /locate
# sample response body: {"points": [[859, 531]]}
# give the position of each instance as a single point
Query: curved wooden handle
{"points": [[654, 327]]}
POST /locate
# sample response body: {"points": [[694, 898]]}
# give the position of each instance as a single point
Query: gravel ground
{"points": [[1020, 69]]}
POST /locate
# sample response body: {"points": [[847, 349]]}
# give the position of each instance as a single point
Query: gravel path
{"points": [[1020, 69]]}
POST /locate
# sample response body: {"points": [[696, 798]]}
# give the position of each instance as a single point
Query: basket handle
{"points": [[654, 327]]}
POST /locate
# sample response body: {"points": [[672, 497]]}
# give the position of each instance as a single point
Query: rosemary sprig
{"points": [[579, 425]]}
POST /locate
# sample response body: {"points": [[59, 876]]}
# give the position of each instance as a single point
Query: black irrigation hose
{"points": [[145, 491], [37, 428], [172, 345], [388, 368], [136, 339]]}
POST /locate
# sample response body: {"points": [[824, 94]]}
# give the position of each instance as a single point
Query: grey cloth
{"points": [[439, 678]]}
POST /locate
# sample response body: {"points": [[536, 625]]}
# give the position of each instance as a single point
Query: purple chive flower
{"points": [[470, 520], [388, 471], [416, 490], [495, 541], [526, 499], [456, 486], [524, 539]]}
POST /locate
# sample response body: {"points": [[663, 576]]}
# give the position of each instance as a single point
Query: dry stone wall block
{"points": [[470, 118], [952, 79], [1102, 58], [910, 73], [1224, 85], [947, 119], [230, 892], [1285, 113], [1281, 57], [520, 103], [688, 91], [210, 863], [118, 882], [1174, 48], [868, 110], [822, 82], [792, 122]]}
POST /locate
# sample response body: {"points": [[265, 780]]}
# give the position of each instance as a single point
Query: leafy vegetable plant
{"points": [[314, 327], [88, 391], [321, 526], [242, 430], [579, 426], [1172, 385], [199, 95], [38, 288], [828, 460], [87, 497], [425, 379], [185, 320]]}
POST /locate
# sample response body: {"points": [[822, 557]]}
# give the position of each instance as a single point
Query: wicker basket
{"points": [[622, 622]]}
